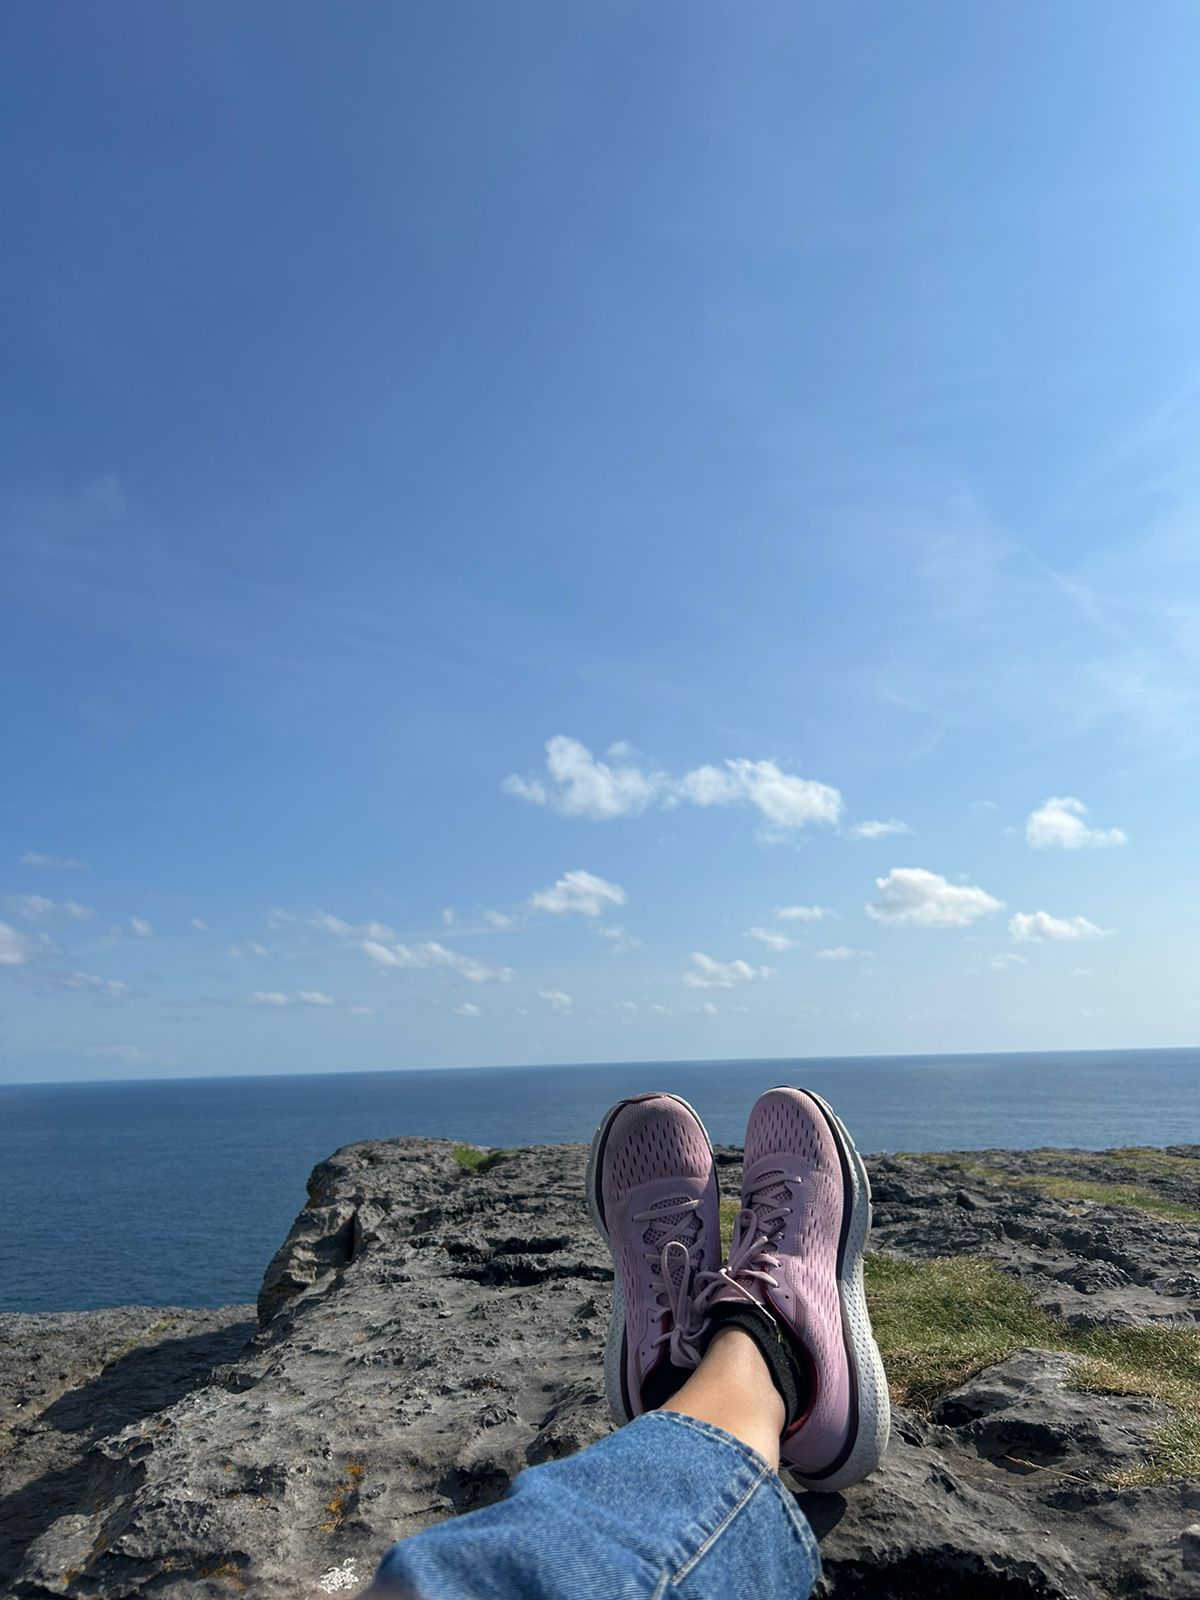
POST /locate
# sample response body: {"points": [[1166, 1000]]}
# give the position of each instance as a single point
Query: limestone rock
{"points": [[425, 1332]]}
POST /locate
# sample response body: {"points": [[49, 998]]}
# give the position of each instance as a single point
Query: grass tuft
{"points": [[471, 1159], [940, 1322], [1131, 1196]]}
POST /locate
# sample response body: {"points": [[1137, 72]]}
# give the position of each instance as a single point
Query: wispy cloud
{"points": [[113, 988], [557, 1001], [578, 784], [36, 908], [1035, 926], [1058, 824], [578, 891], [878, 830], [199, 924], [842, 952], [140, 928], [620, 940], [1006, 962], [913, 897], [17, 949], [772, 938], [326, 922], [802, 913], [35, 858], [276, 998], [433, 956], [706, 973], [132, 1054]]}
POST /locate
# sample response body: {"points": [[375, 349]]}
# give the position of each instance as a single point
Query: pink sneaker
{"points": [[797, 1253], [652, 1193]]}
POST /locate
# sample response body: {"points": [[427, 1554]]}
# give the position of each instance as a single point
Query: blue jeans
{"points": [[666, 1507]]}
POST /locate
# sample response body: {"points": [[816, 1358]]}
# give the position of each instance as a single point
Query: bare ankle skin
{"points": [[732, 1389]]}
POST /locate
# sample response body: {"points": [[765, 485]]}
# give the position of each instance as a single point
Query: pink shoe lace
{"points": [[675, 1265], [753, 1254]]}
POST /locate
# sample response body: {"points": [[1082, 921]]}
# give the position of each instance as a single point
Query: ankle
{"points": [[732, 1388]]}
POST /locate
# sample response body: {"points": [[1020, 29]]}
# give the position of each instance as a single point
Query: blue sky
{"points": [[499, 505]]}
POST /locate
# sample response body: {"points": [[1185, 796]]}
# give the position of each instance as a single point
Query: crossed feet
{"points": [[792, 1284]]}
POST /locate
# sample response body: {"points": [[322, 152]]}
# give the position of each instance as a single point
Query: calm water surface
{"points": [[178, 1193]]}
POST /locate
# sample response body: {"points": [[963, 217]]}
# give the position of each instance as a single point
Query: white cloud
{"points": [[783, 798], [1058, 824], [200, 925], [467, 1009], [88, 980], [16, 949], [772, 938], [1081, 972], [361, 1011], [709, 974], [842, 952], [912, 897], [423, 957], [662, 1011], [556, 1000], [709, 1010], [578, 784], [982, 808], [578, 891], [628, 1005], [500, 920], [1034, 926], [802, 913], [620, 939], [35, 858], [448, 915], [37, 909], [1005, 962], [878, 830], [141, 928], [250, 948], [582, 786], [304, 997]]}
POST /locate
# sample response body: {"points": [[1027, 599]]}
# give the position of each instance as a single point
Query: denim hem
{"points": [[766, 1477]]}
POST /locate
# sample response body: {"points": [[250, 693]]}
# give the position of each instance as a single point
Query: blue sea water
{"points": [[178, 1192]]}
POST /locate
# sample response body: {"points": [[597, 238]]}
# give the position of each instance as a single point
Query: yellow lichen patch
{"points": [[343, 1497], [228, 1572]]}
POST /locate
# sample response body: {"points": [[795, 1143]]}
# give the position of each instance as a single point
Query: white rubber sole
{"points": [[614, 1348], [866, 1364]]}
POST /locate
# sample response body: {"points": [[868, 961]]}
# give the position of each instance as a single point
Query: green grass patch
{"points": [[729, 1211], [940, 1322], [1130, 1196], [471, 1159], [1157, 1161]]}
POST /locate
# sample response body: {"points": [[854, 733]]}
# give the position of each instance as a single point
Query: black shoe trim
{"points": [[791, 1375]]}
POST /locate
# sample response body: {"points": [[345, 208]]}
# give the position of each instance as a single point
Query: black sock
{"points": [[789, 1373], [662, 1382]]}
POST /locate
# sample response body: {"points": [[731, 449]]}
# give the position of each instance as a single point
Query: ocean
{"points": [[178, 1192]]}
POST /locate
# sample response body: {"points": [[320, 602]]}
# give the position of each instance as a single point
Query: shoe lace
{"points": [[673, 1263], [754, 1251]]}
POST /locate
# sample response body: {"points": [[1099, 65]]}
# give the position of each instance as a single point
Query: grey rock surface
{"points": [[426, 1332]]}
